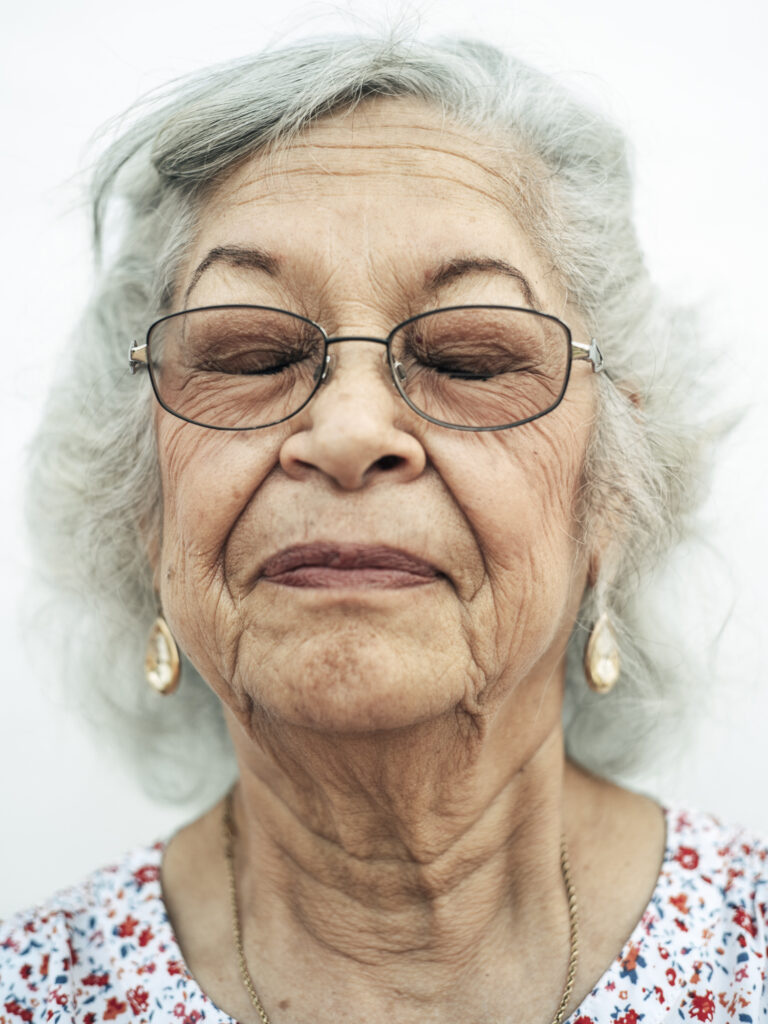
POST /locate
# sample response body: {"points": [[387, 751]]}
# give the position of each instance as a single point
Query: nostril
{"points": [[389, 461]]}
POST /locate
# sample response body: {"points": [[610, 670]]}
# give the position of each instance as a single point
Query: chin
{"points": [[349, 688]]}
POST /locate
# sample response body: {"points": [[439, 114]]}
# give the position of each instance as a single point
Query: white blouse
{"points": [[104, 949]]}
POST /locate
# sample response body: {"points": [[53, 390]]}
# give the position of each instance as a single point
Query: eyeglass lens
{"points": [[246, 367]]}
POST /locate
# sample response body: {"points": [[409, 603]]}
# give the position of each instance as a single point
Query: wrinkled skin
{"points": [[403, 784]]}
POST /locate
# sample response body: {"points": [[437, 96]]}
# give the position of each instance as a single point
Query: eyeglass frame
{"points": [[138, 357]]}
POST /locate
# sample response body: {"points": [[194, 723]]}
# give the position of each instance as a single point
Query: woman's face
{"points": [[357, 217]]}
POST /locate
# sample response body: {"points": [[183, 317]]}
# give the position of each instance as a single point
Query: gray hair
{"points": [[94, 491]]}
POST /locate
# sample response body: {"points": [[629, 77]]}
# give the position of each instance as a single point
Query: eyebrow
{"points": [[235, 256], [450, 270], [445, 273]]}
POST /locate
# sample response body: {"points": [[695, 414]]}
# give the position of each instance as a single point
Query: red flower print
{"points": [[96, 979], [584, 1020], [671, 975], [742, 918], [702, 1007], [630, 1017], [89, 1018], [681, 902], [127, 927], [138, 998], [681, 925], [687, 857], [148, 873], [18, 1010], [114, 1008], [145, 936], [25, 970], [178, 1010], [44, 965], [175, 967]]}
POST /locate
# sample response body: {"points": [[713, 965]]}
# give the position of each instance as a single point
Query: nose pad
{"points": [[397, 367], [323, 371]]}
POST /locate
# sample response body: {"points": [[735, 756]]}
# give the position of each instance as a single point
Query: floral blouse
{"points": [[104, 950]]}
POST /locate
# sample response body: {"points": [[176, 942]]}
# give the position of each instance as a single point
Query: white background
{"points": [[688, 82]]}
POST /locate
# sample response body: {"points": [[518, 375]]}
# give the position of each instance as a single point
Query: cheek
{"points": [[522, 491], [517, 491], [208, 478]]}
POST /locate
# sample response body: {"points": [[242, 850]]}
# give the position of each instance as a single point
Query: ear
{"points": [[600, 555], [150, 535], [608, 530]]}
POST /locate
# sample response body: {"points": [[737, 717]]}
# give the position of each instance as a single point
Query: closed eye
{"points": [[463, 374], [257, 360], [244, 366]]}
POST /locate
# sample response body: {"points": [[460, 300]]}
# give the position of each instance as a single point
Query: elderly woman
{"points": [[396, 451]]}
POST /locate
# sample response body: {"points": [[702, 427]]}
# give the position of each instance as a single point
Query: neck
{"points": [[415, 857]]}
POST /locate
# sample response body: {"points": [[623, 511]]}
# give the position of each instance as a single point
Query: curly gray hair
{"points": [[94, 494]]}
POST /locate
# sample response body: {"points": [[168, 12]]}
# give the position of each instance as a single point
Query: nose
{"points": [[355, 429]]}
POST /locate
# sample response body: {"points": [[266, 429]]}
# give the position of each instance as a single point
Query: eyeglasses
{"points": [[463, 367]]}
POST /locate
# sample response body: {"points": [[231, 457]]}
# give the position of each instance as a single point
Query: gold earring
{"points": [[602, 664], [162, 665]]}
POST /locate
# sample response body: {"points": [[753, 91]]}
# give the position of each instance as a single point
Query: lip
{"points": [[359, 566]]}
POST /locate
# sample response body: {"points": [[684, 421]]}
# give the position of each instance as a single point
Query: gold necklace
{"points": [[229, 850]]}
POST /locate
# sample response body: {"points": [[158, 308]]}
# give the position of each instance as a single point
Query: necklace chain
{"points": [[229, 850]]}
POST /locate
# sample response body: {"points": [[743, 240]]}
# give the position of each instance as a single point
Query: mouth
{"points": [[348, 566]]}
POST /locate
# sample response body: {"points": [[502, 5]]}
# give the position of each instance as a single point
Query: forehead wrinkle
{"points": [[389, 147], [271, 192], [278, 167], [444, 128], [274, 166], [267, 197]]}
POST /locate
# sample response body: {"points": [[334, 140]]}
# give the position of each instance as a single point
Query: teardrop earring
{"points": [[162, 664], [602, 662]]}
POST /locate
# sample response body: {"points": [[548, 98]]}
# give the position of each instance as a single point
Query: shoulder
{"points": [[708, 920], [64, 956], [724, 868], [700, 950], [725, 858]]}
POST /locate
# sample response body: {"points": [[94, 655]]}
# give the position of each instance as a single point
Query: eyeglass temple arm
{"points": [[579, 350], [137, 357]]}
